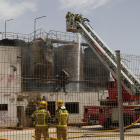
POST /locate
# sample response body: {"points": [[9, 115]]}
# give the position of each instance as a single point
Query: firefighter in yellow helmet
{"points": [[61, 120], [69, 16], [42, 120], [77, 17]]}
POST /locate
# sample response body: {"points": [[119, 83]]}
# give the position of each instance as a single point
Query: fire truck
{"points": [[106, 113]]}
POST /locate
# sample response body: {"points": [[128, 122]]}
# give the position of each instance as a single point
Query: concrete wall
{"points": [[10, 83], [10, 89], [84, 99]]}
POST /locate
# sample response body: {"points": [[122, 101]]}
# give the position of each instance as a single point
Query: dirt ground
{"points": [[132, 133]]}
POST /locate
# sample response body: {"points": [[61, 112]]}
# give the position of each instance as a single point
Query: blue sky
{"points": [[117, 22]]}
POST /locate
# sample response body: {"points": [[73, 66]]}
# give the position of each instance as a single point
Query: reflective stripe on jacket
{"points": [[41, 118], [63, 118], [67, 15]]}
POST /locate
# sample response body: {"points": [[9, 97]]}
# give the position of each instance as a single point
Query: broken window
{"points": [[3, 107], [72, 107]]}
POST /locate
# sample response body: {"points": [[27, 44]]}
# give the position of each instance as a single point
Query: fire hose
{"points": [[94, 135]]}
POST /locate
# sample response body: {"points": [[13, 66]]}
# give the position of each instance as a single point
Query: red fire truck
{"points": [[107, 113]]}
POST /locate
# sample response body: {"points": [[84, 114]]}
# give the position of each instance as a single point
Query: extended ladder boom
{"points": [[108, 58]]}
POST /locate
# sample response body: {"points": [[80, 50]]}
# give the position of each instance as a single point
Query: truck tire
{"points": [[92, 118], [89, 122], [127, 119]]}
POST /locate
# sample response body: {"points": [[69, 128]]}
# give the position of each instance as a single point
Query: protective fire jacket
{"points": [[62, 117], [42, 117]]}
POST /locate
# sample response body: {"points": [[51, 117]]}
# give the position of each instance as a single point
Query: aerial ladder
{"points": [[130, 83]]}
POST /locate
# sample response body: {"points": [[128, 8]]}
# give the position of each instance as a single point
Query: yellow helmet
{"points": [[43, 104], [60, 103], [76, 14]]}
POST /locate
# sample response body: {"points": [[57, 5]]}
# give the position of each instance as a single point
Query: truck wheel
{"points": [[127, 120], [89, 123]]}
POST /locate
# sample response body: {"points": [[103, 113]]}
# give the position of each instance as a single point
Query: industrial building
{"points": [[52, 66]]}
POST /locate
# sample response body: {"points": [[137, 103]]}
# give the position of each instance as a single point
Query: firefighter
{"points": [[69, 16], [61, 120], [77, 17], [42, 119]]}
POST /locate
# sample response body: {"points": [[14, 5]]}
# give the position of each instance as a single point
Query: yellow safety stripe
{"points": [[64, 114], [61, 125], [41, 125], [61, 113], [41, 112]]}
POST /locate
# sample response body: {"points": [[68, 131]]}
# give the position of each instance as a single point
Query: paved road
{"points": [[27, 133]]}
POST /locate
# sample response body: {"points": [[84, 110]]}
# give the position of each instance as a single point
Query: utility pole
{"points": [[35, 26], [120, 103], [5, 26]]}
